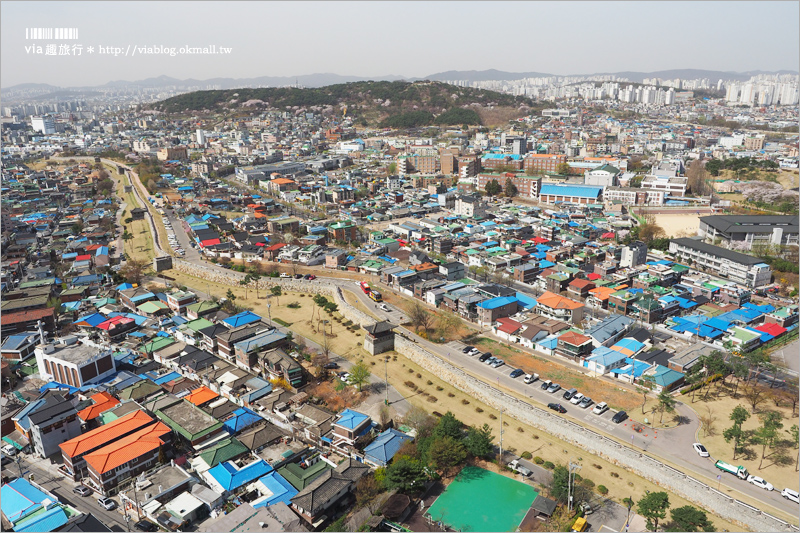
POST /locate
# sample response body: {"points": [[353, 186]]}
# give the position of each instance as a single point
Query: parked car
{"points": [[467, 349], [9, 450], [557, 407], [516, 373], [700, 449], [284, 275], [385, 308], [530, 378], [476, 351], [517, 467], [107, 503], [600, 408], [576, 398], [570, 393], [585, 402], [790, 494], [145, 525], [484, 357], [553, 388], [619, 417], [498, 363], [546, 384], [298, 276], [82, 490], [759, 482], [330, 366], [490, 361]]}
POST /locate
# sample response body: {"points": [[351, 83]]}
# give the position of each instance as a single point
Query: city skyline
{"points": [[417, 45]]}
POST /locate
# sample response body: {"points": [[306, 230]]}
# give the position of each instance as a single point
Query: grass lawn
{"points": [[597, 389], [141, 245], [778, 466]]}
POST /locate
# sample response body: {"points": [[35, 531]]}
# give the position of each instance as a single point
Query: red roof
{"points": [[772, 329], [28, 315], [593, 276], [83, 257], [607, 236], [210, 242], [113, 322], [508, 325], [540, 240], [580, 283], [574, 338]]}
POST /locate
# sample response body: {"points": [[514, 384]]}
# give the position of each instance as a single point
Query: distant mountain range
{"points": [[325, 79]]}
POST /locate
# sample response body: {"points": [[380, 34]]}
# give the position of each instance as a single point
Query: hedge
{"points": [[281, 322]]}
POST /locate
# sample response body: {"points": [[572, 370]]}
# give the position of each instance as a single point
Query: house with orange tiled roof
{"points": [[201, 396], [278, 185], [574, 345], [598, 297], [74, 450], [127, 457], [559, 308], [579, 288], [103, 401]]}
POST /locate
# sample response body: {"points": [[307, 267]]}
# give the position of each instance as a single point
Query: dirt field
{"points": [[679, 225], [616, 397], [778, 466]]}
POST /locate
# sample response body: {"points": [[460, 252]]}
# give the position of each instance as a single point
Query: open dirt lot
{"points": [[677, 225], [778, 466]]}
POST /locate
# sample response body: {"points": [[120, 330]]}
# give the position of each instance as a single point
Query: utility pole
{"points": [[386, 377], [573, 468], [501, 435]]}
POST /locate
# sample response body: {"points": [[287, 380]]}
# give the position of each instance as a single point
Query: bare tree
{"points": [[708, 419], [755, 394], [420, 317]]}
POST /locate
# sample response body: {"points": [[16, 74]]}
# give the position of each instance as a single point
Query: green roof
{"points": [[226, 450], [198, 324], [300, 478], [157, 344], [205, 305], [152, 307]]}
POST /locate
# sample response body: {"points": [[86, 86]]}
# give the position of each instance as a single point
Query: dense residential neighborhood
{"points": [[295, 319]]}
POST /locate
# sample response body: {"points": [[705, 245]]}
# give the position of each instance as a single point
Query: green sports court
{"points": [[479, 500]]}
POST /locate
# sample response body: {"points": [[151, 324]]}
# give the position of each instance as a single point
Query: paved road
{"points": [[46, 475]]}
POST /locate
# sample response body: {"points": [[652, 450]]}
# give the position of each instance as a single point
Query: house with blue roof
{"points": [[227, 477], [241, 319], [547, 345], [274, 489], [240, 420], [381, 451], [578, 194], [493, 308], [349, 427], [604, 360], [666, 378], [29, 508], [633, 370]]}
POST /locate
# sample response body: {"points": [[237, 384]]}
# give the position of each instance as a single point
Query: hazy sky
{"points": [[412, 39]]}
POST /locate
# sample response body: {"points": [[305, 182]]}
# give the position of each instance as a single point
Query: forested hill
{"points": [[391, 104]]}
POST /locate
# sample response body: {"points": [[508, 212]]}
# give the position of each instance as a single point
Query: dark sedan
{"points": [[557, 407]]}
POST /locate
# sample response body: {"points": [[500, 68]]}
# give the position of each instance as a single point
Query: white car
{"points": [[107, 503], [790, 494], [385, 308], [9, 450], [759, 482], [600, 408], [700, 449], [576, 399]]}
